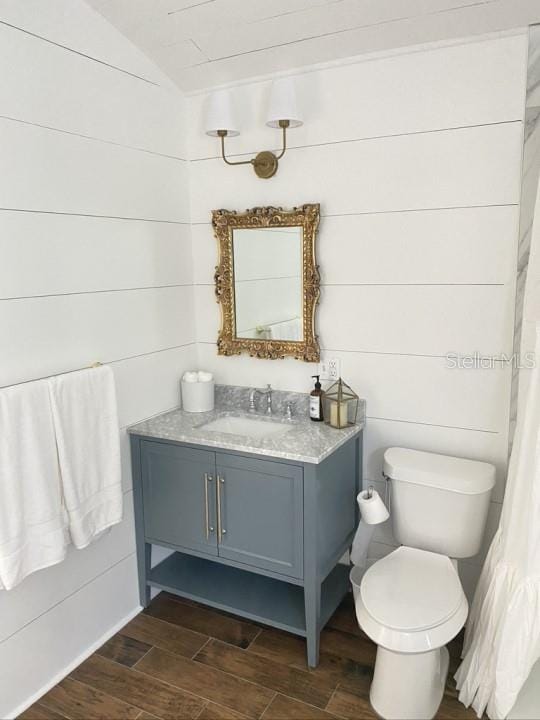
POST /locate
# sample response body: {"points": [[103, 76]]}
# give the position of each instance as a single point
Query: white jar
{"points": [[197, 396]]}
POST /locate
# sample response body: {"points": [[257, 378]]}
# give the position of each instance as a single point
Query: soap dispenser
{"points": [[315, 401]]}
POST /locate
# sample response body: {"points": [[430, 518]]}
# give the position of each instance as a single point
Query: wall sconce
{"points": [[283, 113]]}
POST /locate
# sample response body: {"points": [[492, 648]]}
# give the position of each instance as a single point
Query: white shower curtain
{"points": [[502, 640]]}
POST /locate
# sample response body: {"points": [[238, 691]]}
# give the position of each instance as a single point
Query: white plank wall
{"points": [[81, 186], [130, 116], [48, 254], [95, 265], [81, 32], [416, 161], [419, 171]]}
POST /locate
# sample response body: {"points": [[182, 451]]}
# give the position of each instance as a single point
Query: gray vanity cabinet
{"points": [[261, 506], [245, 510], [259, 537], [179, 497]]}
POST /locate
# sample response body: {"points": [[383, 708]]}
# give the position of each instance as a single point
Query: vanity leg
{"points": [[144, 549], [144, 562], [312, 581], [312, 601]]}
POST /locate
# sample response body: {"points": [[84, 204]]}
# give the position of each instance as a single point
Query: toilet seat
{"points": [[411, 601], [411, 590]]}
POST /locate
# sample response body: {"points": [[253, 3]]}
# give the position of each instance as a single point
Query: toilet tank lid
{"points": [[469, 477]]}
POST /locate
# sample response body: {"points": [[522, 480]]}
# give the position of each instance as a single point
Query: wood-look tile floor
{"points": [[178, 660]]}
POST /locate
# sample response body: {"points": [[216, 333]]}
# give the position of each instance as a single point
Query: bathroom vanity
{"points": [[257, 509]]}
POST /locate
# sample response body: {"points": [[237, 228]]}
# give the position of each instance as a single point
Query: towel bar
{"points": [[46, 377]]}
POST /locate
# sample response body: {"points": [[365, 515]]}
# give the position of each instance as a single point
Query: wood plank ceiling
{"points": [[204, 43]]}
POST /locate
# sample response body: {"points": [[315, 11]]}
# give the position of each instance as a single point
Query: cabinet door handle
{"points": [[221, 529], [208, 528]]}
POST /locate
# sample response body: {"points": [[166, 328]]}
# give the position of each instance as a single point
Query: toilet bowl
{"points": [[411, 602]]}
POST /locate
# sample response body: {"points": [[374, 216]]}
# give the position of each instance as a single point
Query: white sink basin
{"points": [[253, 427]]}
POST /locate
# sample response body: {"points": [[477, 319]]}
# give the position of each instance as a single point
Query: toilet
{"points": [[411, 602]]}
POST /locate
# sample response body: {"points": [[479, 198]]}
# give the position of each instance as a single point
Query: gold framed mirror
{"points": [[267, 282]]}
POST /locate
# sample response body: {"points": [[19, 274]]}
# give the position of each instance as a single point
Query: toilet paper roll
{"points": [[372, 509], [373, 512]]}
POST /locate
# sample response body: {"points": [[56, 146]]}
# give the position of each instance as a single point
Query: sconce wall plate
{"points": [[265, 164]]}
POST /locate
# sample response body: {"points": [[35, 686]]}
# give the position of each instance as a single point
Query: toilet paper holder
{"points": [[371, 489]]}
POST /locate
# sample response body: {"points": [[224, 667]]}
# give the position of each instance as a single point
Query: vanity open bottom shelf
{"points": [[256, 597]]}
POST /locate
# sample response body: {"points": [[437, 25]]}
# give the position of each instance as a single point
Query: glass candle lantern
{"points": [[340, 404]]}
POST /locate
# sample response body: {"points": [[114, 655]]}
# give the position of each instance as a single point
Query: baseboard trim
{"points": [[107, 635]]}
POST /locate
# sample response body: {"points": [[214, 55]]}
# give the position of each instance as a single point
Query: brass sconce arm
{"points": [[264, 163], [223, 134], [283, 124]]}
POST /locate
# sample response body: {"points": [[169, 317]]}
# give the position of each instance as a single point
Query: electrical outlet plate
{"points": [[323, 370], [334, 369], [330, 369]]}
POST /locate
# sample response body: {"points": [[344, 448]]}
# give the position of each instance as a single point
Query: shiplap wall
{"points": [[95, 265], [416, 161]]}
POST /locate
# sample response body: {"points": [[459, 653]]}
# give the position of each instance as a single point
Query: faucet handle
{"points": [[268, 393], [251, 406]]}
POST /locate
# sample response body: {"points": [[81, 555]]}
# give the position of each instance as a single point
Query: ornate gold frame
{"points": [[224, 222]]}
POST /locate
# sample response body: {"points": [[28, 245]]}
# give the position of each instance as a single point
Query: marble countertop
{"points": [[306, 441]]}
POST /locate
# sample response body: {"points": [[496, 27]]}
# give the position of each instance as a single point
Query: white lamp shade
{"points": [[220, 114], [283, 104]]}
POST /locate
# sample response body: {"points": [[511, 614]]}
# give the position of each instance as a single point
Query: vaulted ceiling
{"points": [[203, 43]]}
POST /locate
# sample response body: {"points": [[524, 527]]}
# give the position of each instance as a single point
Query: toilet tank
{"points": [[438, 503]]}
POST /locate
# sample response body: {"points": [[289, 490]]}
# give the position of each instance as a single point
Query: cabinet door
{"points": [[179, 496], [260, 508]]}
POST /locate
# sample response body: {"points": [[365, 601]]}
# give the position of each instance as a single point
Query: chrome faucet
{"points": [[268, 392]]}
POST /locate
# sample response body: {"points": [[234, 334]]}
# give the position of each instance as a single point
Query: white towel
{"points": [[33, 523], [203, 376], [88, 439], [191, 377]]}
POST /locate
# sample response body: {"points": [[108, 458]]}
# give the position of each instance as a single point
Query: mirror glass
{"points": [[268, 283]]}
